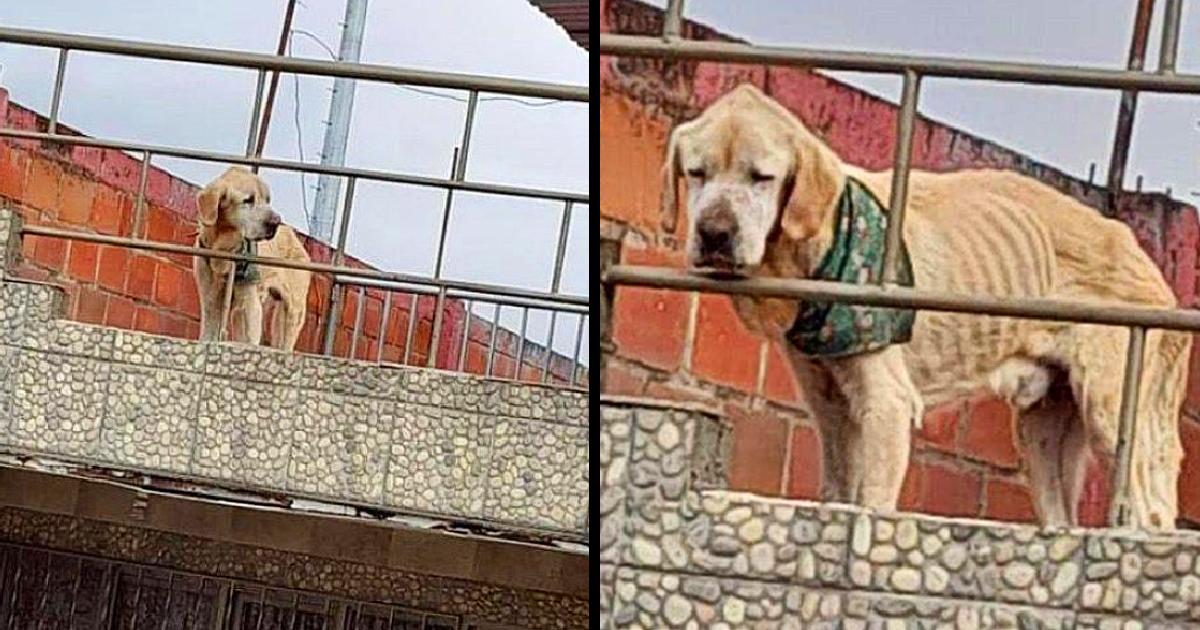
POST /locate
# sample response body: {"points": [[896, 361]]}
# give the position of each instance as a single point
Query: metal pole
{"points": [[1170, 36], [905, 122], [140, 206], [1081, 311], [341, 105], [358, 320], [292, 165], [339, 256], [521, 341], [560, 253], [60, 75], [468, 125], [491, 360], [441, 249], [462, 353], [437, 328], [1119, 510], [383, 322], [578, 346], [412, 328], [284, 35], [549, 363], [1128, 108], [673, 19], [256, 113]]}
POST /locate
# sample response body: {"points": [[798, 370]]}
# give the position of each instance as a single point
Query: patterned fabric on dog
{"points": [[825, 329], [245, 272]]}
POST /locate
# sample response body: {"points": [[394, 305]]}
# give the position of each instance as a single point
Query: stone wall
{"points": [[403, 439], [678, 550]]}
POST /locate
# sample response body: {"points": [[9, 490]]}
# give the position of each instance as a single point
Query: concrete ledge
{"points": [[401, 439], [677, 550]]}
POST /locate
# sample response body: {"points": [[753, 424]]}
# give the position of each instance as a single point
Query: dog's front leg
{"points": [[212, 304], [883, 404]]}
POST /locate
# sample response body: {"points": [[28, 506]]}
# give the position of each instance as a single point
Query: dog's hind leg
{"points": [[286, 324], [832, 416]]}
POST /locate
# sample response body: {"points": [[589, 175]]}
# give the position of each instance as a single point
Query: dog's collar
{"points": [[245, 272], [855, 256]]}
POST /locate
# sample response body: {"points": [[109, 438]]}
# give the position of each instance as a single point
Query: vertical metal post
{"points": [[167, 607], [383, 322], [284, 35], [74, 591], [341, 105], [905, 122], [438, 307], [339, 255], [256, 114], [412, 328], [60, 75], [361, 303], [560, 253], [1170, 36], [1118, 510], [462, 353], [262, 608], [139, 208], [441, 249], [549, 363], [1125, 116], [521, 341], [199, 599], [137, 596], [578, 346], [673, 19], [491, 359]]}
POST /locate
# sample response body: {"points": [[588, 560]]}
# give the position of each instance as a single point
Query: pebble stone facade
{"points": [[407, 439], [678, 551]]}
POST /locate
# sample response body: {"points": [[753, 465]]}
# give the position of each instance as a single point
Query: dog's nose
{"points": [[273, 220], [716, 233]]}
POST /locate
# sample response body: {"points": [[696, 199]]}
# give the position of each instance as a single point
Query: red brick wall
{"points": [[94, 190], [687, 346]]}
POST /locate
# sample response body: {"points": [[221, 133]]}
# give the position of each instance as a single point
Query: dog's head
{"points": [[239, 200], [752, 171]]}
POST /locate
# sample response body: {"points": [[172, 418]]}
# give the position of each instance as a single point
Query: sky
{"points": [[493, 239], [1067, 128]]}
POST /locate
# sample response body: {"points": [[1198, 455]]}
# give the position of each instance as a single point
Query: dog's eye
{"points": [[759, 177], [696, 172], [250, 200]]}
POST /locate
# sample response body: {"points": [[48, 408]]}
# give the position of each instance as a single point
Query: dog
{"points": [[235, 215], [766, 198]]}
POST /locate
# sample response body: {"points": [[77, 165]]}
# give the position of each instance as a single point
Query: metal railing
{"points": [[887, 294], [552, 301]]}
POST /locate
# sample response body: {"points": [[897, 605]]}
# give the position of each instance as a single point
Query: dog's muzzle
{"points": [[716, 235]]}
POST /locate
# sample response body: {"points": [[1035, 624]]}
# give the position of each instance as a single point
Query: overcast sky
{"points": [[1068, 128], [503, 240]]}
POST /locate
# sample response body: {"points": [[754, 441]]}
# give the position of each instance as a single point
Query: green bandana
{"points": [[245, 272], [825, 329]]}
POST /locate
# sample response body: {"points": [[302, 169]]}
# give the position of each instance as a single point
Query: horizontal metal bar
{"points": [[39, 230], [1110, 313], [547, 304], [291, 165], [317, 67], [1039, 74]]}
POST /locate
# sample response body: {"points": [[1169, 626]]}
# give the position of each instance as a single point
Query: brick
{"points": [[988, 434], [87, 157], [620, 380], [779, 382], [189, 296], [504, 366], [82, 260], [949, 490], [142, 272], [724, 351], [168, 286], [913, 489], [372, 316], [120, 312], [174, 326], [75, 196], [1189, 476], [531, 373], [631, 153], [120, 170], [193, 330], [160, 225], [1192, 402], [114, 262], [14, 166], [1005, 500], [90, 306], [650, 325], [939, 428], [682, 393], [759, 451], [112, 212], [50, 252], [148, 319], [41, 185], [805, 464]]}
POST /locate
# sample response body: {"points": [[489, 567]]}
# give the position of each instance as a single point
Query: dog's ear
{"points": [[670, 182], [209, 201], [815, 182]]}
